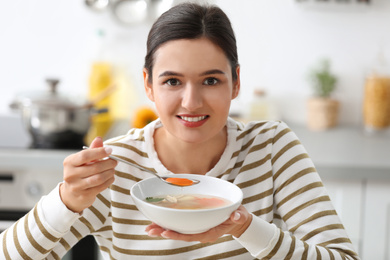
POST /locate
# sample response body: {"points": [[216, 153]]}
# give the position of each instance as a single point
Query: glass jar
{"points": [[376, 104]]}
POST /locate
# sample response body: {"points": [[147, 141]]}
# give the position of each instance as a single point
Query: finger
{"points": [[88, 156], [96, 180], [101, 187], [97, 142], [239, 216]]}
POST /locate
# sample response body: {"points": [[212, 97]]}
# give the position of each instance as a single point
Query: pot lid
{"points": [[49, 98]]}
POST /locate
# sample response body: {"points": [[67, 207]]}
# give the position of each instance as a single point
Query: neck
{"points": [[183, 157]]}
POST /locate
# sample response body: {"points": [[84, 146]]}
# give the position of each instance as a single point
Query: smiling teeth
{"points": [[193, 119]]}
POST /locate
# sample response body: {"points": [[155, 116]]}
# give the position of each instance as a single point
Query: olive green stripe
{"points": [[254, 181], [104, 200], [305, 251], [54, 255], [123, 206], [281, 134], [98, 214], [134, 162], [65, 244], [320, 230], [105, 228], [258, 196], [130, 147], [330, 254], [255, 164], [314, 217], [285, 149], [87, 224], [304, 205], [76, 233], [289, 163], [263, 211], [254, 127], [277, 246], [260, 146], [300, 191], [343, 252], [294, 178], [135, 237], [166, 252], [5, 250], [319, 256], [120, 189], [225, 255], [131, 221], [127, 176], [42, 228], [30, 238], [335, 241], [17, 243], [107, 250], [291, 250]]}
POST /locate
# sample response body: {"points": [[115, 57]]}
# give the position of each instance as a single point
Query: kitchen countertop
{"points": [[341, 152], [11, 158], [347, 152]]}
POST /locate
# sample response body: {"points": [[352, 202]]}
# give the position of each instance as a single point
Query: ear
{"points": [[147, 85], [236, 84]]}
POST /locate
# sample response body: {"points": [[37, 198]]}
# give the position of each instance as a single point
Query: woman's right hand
{"points": [[86, 175]]}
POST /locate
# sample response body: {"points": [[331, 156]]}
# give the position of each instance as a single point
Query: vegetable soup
{"points": [[189, 201]]}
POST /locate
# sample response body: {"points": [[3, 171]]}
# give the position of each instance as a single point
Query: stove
{"points": [[26, 174]]}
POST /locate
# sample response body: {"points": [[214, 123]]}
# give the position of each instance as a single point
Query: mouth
{"points": [[192, 119]]}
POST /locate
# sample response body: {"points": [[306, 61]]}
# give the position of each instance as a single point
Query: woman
{"points": [[191, 74]]}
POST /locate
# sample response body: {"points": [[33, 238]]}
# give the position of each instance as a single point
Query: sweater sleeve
{"points": [[39, 231], [305, 225]]}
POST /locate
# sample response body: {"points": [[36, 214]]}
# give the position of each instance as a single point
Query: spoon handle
{"points": [[127, 162]]}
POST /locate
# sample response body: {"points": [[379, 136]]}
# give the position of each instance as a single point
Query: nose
{"points": [[192, 98]]}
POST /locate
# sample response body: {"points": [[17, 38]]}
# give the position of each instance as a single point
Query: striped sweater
{"points": [[293, 217]]}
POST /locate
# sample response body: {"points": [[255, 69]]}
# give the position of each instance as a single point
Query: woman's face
{"points": [[192, 88]]}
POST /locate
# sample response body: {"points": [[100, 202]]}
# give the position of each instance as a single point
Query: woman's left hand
{"points": [[238, 222]]}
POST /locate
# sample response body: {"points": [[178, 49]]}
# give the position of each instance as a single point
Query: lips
{"points": [[193, 121]]}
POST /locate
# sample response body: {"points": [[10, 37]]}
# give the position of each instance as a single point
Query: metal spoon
{"points": [[164, 179]]}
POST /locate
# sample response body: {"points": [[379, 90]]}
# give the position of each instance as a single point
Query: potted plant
{"points": [[323, 109]]}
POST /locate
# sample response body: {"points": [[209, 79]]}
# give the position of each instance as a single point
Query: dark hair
{"points": [[192, 21]]}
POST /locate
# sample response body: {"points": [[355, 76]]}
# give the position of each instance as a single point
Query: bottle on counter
{"points": [[262, 107], [110, 68], [376, 102]]}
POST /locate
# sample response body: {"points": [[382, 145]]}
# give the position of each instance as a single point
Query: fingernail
{"points": [[164, 235], [98, 138], [236, 216], [108, 150], [151, 235]]}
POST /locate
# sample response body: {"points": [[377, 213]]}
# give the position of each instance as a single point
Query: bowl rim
{"points": [[232, 204]]}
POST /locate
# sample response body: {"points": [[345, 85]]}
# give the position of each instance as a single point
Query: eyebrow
{"points": [[208, 72]]}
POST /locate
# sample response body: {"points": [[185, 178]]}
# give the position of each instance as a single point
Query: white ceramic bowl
{"points": [[186, 221]]}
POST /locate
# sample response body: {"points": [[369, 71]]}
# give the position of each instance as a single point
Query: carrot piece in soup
{"points": [[180, 181]]}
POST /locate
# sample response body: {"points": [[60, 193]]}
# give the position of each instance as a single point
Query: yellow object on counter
{"points": [[101, 77], [143, 116]]}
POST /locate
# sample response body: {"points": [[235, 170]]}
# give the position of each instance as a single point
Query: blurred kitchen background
{"points": [[280, 44]]}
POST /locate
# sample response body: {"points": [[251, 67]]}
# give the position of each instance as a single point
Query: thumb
{"points": [[97, 142], [238, 216]]}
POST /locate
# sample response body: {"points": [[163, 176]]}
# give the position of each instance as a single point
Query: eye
{"points": [[210, 81], [172, 82]]}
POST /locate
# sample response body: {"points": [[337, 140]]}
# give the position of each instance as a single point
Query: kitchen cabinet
{"points": [[348, 199], [355, 169], [376, 231]]}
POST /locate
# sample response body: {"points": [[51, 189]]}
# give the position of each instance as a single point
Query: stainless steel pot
{"points": [[55, 120]]}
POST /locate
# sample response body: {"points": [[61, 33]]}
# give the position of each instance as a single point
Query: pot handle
{"points": [[99, 111]]}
